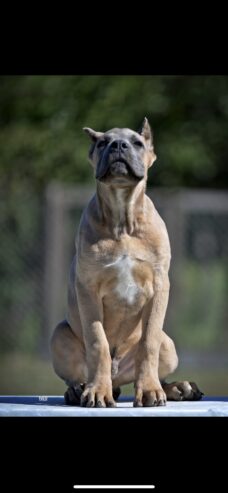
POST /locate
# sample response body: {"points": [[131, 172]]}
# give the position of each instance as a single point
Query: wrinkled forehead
{"points": [[121, 133]]}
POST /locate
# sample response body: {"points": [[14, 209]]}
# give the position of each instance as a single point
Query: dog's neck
{"points": [[121, 209]]}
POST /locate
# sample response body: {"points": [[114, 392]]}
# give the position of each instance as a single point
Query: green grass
{"points": [[23, 374]]}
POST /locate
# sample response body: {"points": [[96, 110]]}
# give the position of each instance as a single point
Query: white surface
{"points": [[197, 408]]}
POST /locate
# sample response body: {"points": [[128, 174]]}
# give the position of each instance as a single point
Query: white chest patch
{"points": [[126, 287]]}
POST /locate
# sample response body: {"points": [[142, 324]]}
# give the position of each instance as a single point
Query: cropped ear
{"points": [[92, 134], [145, 131]]}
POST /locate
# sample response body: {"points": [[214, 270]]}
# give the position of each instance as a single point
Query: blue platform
{"points": [[33, 405]]}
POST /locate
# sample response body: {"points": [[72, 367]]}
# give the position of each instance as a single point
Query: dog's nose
{"points": [[119, 145]]}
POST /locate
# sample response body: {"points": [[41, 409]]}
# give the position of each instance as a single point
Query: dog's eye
{"points": [[138, 143], [101, 143]]}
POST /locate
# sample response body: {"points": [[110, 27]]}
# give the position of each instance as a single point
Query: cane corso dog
{"points": [[119, 285]]}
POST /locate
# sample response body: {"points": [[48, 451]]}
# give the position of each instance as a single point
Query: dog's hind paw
{"points": [[73, 394], [182, 391]]}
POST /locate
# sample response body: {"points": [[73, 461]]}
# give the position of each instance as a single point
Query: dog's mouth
{"points": [[120, 171], [119, 167]]}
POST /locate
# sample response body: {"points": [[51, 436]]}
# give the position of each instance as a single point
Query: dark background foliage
{"points": [[42, 117]]}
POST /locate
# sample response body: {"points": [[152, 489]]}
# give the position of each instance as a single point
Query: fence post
{"points": [[54, 272]]}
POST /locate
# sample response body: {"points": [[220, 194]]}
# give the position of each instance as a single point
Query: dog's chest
{"points": [[129, 284]]}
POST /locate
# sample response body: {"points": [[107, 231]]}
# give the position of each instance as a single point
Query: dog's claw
{"points": [[161, 402], [99, 404], [137, 404], [111, 404], [197, 396], [182, 391]]}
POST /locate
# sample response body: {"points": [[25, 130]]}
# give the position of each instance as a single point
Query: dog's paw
{"points": [[97, 396], [73, 395], [116, 393], [182, 391], [149, 398]]}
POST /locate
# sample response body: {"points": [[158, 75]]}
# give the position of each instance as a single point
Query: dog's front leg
{"points": [[148, 390], [98, 390]]}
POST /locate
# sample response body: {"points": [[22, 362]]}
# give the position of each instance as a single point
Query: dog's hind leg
{"points": [[69, 362], [168, 361]]}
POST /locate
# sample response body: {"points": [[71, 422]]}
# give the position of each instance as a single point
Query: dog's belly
{"points": [[130, 282]]}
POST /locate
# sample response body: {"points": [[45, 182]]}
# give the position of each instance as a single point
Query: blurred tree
{"points": [[41, 122]]}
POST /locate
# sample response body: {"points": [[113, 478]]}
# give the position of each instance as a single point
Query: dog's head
{"points": [[121, 156]]}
